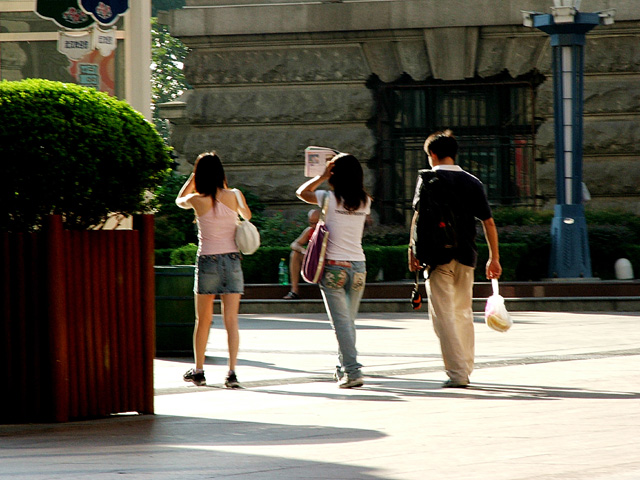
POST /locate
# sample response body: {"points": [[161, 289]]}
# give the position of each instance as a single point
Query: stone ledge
{"points": [[550, 304], [259, 19]]}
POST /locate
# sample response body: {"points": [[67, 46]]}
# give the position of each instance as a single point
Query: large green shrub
{"points": [[71, 150]]}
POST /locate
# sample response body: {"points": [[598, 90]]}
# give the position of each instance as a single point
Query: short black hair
{"points": [[443, 144]]}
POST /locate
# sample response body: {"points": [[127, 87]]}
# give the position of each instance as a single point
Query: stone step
{"points": [[401, 290], [587, 295], [547, 304]]}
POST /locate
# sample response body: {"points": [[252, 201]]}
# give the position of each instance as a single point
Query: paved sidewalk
{"points": [[557, 397]]}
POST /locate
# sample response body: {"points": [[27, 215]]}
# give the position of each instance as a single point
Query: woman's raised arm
{"points": [[306, 191], [186, 192]]}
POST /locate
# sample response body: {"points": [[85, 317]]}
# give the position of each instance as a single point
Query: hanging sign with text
{"points": [[75, 45], [89, 75], [104, 41]]}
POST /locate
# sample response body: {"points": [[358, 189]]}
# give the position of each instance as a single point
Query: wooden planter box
{"points": [[77, 322]]}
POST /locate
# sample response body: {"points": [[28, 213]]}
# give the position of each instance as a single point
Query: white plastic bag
{"points": [[495, 313]]}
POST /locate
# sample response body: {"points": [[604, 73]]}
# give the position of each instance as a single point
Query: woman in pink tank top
{"points": [[218, 268]]}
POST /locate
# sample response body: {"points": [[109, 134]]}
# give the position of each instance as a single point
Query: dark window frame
{"points": [[494, 122]]}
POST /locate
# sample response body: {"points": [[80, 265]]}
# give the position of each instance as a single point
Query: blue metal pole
{"points": [[570, 257]]}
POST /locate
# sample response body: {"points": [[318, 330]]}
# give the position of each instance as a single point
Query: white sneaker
{"points": [[351, 382]]}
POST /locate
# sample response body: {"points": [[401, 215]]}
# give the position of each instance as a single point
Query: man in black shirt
{"points": [[450, 286]]}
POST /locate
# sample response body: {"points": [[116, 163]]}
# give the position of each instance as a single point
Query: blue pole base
{"points": [[570, 257]]}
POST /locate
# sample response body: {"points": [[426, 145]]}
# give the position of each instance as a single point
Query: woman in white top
{"points": [[345, 273], [218, 269]]}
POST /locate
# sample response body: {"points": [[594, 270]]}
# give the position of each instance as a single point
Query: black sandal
{"points": [[291, 296]]}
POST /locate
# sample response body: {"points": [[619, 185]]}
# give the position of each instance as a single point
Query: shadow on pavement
{"points": [[168, 447], [275, 323], [487, 391], [387, 389]]}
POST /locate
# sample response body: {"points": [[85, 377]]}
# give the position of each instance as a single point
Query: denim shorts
{"points": [[219, 274]]}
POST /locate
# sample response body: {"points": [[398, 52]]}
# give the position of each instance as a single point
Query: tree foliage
{"points": [[167, 78], [70, 150], [174, 226]]}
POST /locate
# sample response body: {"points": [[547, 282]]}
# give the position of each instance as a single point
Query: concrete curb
{"points": [[548, 304]]}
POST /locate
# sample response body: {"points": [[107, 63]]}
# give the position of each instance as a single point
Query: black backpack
{"points": [[434, 235]]}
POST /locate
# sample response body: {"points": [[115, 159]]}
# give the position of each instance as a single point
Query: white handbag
{"points": [[247, 235]]}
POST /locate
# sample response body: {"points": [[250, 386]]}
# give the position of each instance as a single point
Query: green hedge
{"points": [[182, 256], [524, 258], [633, 254], [603, 258], [391, 260], [512, 256], [607, 243], [73, 151], [262, 266], [525, 245], [163, 256]]}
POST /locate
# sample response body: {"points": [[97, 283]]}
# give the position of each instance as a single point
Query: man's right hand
{"points": [[414, 264]]}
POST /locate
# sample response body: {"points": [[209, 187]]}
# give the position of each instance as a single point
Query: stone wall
{"points": [[271, 79]]}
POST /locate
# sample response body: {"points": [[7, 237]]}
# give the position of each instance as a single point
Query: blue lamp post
{"points": [[567, 27]]}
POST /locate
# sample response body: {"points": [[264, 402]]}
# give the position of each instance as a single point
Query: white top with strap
{"points": [[345, 229]]}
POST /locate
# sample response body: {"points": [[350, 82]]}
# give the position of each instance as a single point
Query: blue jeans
{"points": [[342, 287]]}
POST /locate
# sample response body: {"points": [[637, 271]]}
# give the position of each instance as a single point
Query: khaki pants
{"points": [[450, 292]]}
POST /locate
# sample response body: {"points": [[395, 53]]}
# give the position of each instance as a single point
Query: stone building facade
{"points": [[375, 77]]}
